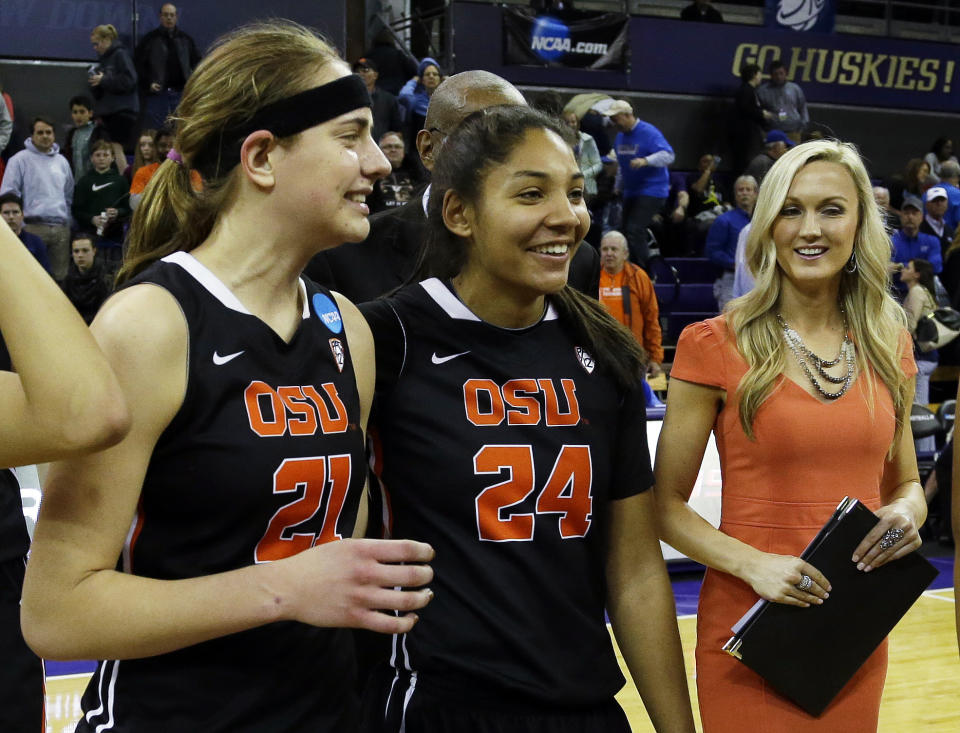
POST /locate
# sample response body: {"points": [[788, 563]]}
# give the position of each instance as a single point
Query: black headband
{"points": [[284, 118]]}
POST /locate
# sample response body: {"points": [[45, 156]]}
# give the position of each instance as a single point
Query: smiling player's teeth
{"points": [[360, 198], [552, 249], [811, 250]]}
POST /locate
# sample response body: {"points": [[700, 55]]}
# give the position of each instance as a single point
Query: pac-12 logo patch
{"points": [[336, 347], [586, 361], [327, 312]]}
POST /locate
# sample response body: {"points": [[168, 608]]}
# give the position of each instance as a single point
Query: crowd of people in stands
{"points": [[85, 189]]}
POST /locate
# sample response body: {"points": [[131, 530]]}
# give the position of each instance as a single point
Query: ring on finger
{"points": [[890, 538], [806, 582]]}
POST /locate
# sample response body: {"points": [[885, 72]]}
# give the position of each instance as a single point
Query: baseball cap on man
{"points": [[910, 200], [364, 63], [619, 107], [778, 136], [936, 192]]}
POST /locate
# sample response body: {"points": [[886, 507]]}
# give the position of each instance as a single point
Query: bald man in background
{"points": [[387, 258]]}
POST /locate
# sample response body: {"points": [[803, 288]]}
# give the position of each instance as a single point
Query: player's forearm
{"points": [[113, 615], [644, 622]]}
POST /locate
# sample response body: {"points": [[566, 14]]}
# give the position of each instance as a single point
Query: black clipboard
{"points": [[809, 654]]}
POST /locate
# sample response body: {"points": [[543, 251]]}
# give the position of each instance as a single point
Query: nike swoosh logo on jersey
{"points": [[102, 185], [441, 359], [221, 360]]}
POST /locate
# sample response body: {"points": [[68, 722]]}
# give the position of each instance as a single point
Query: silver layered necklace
{"points": [[807, 359]]}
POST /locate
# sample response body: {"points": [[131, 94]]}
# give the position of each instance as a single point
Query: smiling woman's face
{"points": [[816, 227]]}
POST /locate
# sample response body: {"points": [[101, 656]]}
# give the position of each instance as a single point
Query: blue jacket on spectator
{"points": [[643, 141], [36, 247], [721, 247], [952, 217], [413, 95], [922, 247]]}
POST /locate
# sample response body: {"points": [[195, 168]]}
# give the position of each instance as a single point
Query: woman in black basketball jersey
{"points": [[510, 433], [63, 400], [198, 556]]}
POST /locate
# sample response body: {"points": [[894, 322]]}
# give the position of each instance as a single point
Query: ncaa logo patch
{"points": [[327, 312], [586, 361], [336, 348]]}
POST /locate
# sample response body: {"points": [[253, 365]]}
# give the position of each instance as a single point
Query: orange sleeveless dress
{"points": [[777, 492]]}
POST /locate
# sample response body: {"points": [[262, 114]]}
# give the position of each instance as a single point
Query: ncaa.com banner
{"points": [[571, 40]]}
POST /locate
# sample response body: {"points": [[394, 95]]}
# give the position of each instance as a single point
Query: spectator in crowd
{"points": [[921, 301], [627, 293], [891, 218], [749, 118], [397, 188], [394, 65], [701, 11], [87, 284], [388, 257], [706, 200], [85, 132], [912, 181], [165, 58], [743, 280], [163, 142], [146, 150], [6, 129], [933, 223], [588, 158], [721, 247], [102, 200], [113, 82], [950, 182], [41, 177], [950, 275], [774, 145], [785, 101], [590, 110], [940, 152], [386, 108], [415, 96], [643, 155], [912, 244], [11, 209]]}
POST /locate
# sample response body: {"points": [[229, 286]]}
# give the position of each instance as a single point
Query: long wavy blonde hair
{"points": [[875, 319]]}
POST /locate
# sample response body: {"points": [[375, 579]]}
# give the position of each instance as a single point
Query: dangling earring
{"points": [[851, 266]]}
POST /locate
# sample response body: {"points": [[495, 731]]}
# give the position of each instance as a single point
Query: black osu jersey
{"points": [[264, 459], [502, 449]]}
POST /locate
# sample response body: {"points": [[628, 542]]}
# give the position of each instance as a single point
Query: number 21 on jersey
{"points": [[567, 492], [313, 477]]}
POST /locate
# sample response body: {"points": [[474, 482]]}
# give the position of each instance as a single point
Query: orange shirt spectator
{"points": [[638, 311]]}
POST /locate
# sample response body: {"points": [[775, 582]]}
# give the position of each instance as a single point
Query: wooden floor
{"points": [[922, 693]]}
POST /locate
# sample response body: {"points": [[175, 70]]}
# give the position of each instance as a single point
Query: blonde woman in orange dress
{"points": [[806, 383]]}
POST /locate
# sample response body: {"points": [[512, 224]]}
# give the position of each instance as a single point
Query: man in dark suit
{"points": [[387, 258]]}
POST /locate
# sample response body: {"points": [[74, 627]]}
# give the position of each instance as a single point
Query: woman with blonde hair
{"points": [[806, 383], [201, 558], [113, 83]]}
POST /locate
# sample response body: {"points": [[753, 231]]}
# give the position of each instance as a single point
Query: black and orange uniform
{"points": [[502, 449], [264, 459], [21, 672]]}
